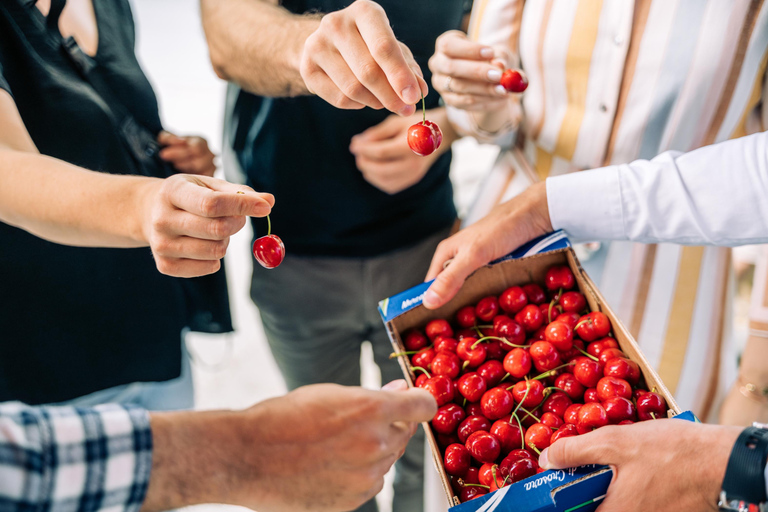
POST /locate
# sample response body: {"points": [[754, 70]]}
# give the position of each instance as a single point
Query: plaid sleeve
{"points": [[62, 459]]}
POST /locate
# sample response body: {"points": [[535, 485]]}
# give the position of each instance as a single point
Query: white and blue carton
{"points": [[578, 489]]}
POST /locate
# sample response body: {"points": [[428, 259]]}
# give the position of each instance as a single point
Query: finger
{"points": [[192, 248], [209, 197], [182, 223], [593, 448], [175, 153], [449, 281], [349, 83], [166, 138], [462, 86], [181, 267], [322, 85], [385, 49], [483, 72], [386, 150], [445, 251], [456, 45], [413, 405], [368, 73], [395, 385]]}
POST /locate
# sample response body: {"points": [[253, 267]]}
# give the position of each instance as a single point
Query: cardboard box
{"points": [[579, 489]]}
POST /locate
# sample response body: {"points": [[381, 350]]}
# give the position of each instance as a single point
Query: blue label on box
{"points": [[398, 304]]}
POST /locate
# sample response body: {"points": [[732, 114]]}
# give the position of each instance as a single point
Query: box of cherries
{"points": [[526, 354]]}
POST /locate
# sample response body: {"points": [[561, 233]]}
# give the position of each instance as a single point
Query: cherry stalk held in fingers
{"points": [[425, 137], [269, 250]]}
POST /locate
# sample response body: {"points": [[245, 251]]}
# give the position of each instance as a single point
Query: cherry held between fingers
{"points": [[514, 81], [269, 250], [424, 137]]}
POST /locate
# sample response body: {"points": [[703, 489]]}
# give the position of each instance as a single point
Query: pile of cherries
{"points": [[517, 372]]}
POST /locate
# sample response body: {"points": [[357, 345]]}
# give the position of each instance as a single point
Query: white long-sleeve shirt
{"points": [[715, 195]]}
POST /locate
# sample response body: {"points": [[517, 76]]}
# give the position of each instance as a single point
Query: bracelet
{"points": [[758, 333], [753, 392]]}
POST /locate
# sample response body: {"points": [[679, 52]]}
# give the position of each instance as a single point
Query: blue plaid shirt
{"points": [[63, 459]]}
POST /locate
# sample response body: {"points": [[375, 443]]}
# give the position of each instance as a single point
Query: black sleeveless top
{"points": [[298, 149], [77, 320]]}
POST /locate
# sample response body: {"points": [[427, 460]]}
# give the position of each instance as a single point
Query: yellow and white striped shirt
{"points": [[613, 81]]}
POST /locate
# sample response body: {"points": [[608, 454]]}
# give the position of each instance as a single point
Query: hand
{"points": [[507, 227], [188, 221], [320, 448], [383, 156], [467, 74], [353, 60], [663, 465], [187, 154]]}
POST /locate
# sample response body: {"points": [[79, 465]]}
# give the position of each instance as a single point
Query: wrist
{"points": [[145, 198], [538, 209]]}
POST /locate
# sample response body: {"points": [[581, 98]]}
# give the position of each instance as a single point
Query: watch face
{"points": [[763, 426]]}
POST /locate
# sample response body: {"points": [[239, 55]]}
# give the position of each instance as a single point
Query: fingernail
{"points": [[500, 90], [487, 53], [494, 75], [543, 459], [410, 95], [407, 110], [395, 385], [430, 298]]}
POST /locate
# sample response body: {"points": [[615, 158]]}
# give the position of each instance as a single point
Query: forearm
{"points": [[714, 195], [67, 204], [257, 44]]}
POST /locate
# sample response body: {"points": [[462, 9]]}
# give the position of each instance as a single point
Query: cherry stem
{"points": [[519, 405], [414, 368], [503, 340], [477, 485], [478, 331], [526, 411], [504, 378], [652, 415], [585, 321], [398, 354], [548, 391], [551, 372], [536, 450], [586, 354], [520, 426], [269, 226], [549, 311], [423, 109]]}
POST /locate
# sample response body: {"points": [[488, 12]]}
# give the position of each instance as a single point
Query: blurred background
{"points": [[237, 370]]}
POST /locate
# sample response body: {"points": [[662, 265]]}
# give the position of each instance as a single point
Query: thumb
{"points": [[213, 198], [165, 138], [591, 448], [411, 405], [448, 282]]}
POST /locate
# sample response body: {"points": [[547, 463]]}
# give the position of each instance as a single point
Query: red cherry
{"points": [[609, 354], [568, 383], [423, 357], [464, 347], [571, 319], [471, 425], [530, 318], [512, 300], [465, 333], [636, 394], [560, 335], [591, 416], [447, 419], [518, 363], [415, 340], [441, 388], [508, 434], [534, 293], [550, 311], [472, 386], [465, 317], [514, 80], [593, 326], [551, 420], [269, 251], [438, 132], [610, 387], [545, 356], [444, 344], [494, 350], [591, 396], [651, 406], [446, 363], [474, 409], [487, 308], [535, 393], [444, 441], [518, 467], [538, 436], [492, 372], [485, 473], [483, 446], [457, 460], [567, 430], [626, 422], [422, 138], [587, 371], [596, 347], [472, 476], [420, 380], [471, 492], [619, 409], [559, 276], [437, 328], [505, 327], [571, 415], [573, 302], [557, 403], [622, 368], [497, 403]]}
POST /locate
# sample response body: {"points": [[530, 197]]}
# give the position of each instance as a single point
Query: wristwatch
{"points": [[744, 483]]}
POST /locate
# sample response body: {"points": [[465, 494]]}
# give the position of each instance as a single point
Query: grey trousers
{"points": [[316, 314]]}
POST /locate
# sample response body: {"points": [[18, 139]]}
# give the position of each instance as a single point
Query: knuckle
{"points": [[219, 249], [218, 228], [332, 22], [166, 266], [385, 47], [353, 89], [368, 72], [209, 206]]}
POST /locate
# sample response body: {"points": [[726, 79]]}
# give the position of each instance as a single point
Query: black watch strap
{"points": [[745, 475]]}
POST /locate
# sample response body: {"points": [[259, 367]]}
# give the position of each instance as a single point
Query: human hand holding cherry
{"points": [[269, 250]]}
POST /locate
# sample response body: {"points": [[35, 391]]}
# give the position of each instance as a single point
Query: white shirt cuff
{"points": [[587, 205]]}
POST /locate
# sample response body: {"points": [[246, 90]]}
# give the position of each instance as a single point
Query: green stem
{"points": [[503, 340], [477, 485], [535, 449], [514, 413], [586, 354], [414, 368], [526, 411], [269, 226], [551, 372], [520, 425], [423, 109]]}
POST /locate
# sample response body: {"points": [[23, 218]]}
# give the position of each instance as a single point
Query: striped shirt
{"points": [[612, 81]]}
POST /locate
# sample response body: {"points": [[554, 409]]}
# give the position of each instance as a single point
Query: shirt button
{"points": [[618, 40], [603, 107]]}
